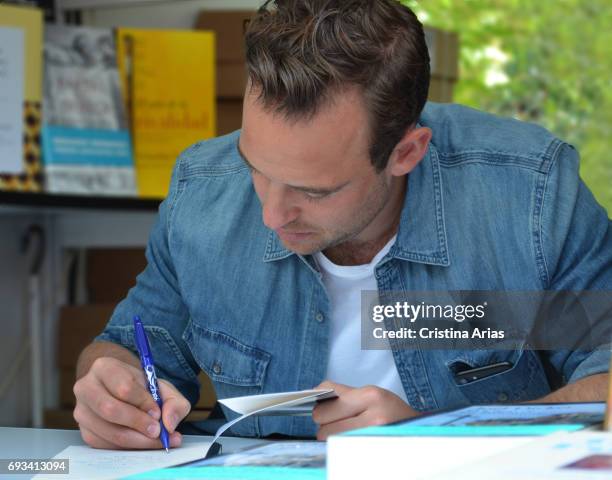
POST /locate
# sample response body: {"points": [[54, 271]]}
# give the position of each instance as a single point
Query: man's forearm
{"points": [[103, 349], [588, 389]]}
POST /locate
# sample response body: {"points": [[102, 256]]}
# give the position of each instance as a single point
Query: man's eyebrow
{"points": [[305, 189]]}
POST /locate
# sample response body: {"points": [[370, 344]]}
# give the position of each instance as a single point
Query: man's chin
{"points": [[303, 246], [301, 249]]}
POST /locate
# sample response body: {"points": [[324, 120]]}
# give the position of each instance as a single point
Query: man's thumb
{"points": [[176, 406]]}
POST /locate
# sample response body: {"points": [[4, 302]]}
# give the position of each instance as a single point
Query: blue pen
{"points": [[146, 360]]}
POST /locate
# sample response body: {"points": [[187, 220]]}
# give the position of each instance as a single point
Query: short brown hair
{"points": [[300, 52]]}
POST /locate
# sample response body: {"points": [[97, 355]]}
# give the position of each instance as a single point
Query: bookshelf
{"points": [[32, 201]]}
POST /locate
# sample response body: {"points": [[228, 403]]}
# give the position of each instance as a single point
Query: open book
{"points": [[285, 403]]}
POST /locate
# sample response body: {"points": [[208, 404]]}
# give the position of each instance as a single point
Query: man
{"points": [[340, 182]]}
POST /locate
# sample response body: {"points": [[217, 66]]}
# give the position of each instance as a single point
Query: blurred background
{"points": [[114, 90], [547, 62]]}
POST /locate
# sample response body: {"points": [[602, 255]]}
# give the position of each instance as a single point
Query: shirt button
{"points": [[502, 397], [216, 368], [319, 317]]}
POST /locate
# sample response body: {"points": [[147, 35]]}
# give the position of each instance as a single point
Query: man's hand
{"points": [[114, 408], [358, 407]]}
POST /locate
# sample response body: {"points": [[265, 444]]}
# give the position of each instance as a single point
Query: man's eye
{"points": [[315, 196]]}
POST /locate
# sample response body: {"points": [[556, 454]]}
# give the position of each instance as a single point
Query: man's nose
{"points": [[277, 207]]}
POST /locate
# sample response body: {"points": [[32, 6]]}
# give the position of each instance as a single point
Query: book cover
{"points": [[295, 460], [86, 143], [168, 80], [20, 98], [449, 440]]}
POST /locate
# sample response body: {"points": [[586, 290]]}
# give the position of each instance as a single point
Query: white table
{"points": [[22, 443]]}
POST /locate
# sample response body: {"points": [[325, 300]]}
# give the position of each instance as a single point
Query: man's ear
{"points": [[409, 151]]}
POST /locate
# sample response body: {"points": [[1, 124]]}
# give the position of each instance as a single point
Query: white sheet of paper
{"points": [[252, 403], [11, 99], [96, 464]]}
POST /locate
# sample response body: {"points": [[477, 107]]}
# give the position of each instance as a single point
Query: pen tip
{"points": [[167, 451]]}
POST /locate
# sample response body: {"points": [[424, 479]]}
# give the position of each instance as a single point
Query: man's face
{"points": [[314, 177]]}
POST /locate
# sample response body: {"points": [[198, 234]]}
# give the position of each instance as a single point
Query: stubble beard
{"points": [[376, 202]]}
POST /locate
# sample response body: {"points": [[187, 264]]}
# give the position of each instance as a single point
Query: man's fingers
{"points": [[339, 388], [96, 441], [115, 409], [340, 426], [176, 406], [127, 384], [110, 435], [97, 401], [350, 403], [93, 440]]}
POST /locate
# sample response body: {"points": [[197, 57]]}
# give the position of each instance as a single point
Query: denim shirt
{"points": [[495, 204]]}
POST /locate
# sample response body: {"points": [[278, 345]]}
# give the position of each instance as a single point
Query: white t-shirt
{"points": [[348, 363]]}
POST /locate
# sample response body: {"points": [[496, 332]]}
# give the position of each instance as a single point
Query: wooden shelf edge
{"points": [[26, 199]]}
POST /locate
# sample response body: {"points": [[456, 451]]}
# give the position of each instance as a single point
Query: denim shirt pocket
{"points": [[236, 369], [170, 363], [525, 380]]}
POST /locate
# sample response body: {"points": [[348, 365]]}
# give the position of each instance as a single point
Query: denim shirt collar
{"points": [[422, 233]]}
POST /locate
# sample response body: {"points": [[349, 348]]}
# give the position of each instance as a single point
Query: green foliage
{"points": [[548, 62]]}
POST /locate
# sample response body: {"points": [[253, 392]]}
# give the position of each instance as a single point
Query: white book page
{"points": [[285, 403], [253, 403], [97, 464]]}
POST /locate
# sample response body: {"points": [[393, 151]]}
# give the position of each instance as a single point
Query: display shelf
{"points": [[47, 200]]}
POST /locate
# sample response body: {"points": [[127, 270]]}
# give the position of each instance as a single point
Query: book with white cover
{"points": [[434, 444], [561, 456]]}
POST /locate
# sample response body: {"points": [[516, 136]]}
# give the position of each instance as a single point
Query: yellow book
{"points": [[20, 98], [168, 81]]}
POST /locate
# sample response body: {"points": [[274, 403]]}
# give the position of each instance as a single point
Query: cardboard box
{"points": [[443, 52], [229, 115], [78, 325], [112, 272], [208, 398], [231, 80], [441, 89], [229, 27], [60, 418], [67, 379]]}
